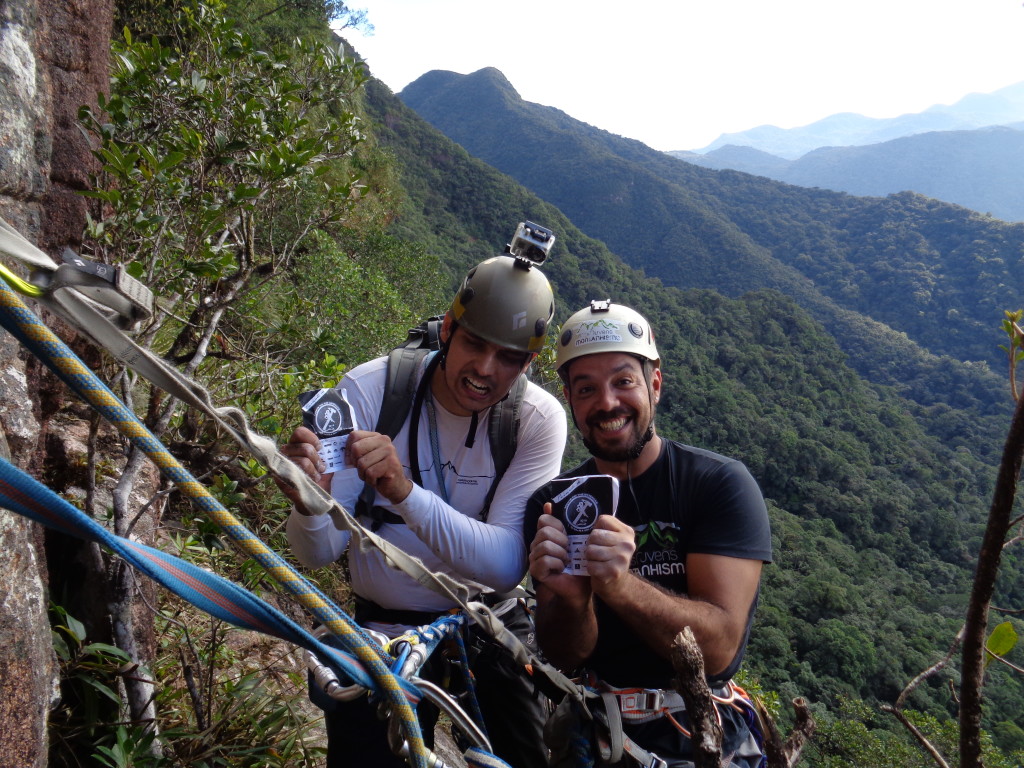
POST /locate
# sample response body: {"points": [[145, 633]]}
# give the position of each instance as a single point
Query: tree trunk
{"points": [[976, 626]]}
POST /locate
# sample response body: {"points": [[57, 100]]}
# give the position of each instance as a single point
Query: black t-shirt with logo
{"points": [[689, 500]]}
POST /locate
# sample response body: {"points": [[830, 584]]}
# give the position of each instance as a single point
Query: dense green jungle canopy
{"points": [[815, 336], [877, 521]]}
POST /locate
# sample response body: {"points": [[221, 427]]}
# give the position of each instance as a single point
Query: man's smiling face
{"points": [[612, 404]]}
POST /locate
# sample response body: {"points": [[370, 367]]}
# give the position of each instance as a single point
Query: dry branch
{"points": [[707, 732], [786, 754]]}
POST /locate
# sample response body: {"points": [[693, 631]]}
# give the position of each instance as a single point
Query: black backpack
{"points": [[399, 393]]}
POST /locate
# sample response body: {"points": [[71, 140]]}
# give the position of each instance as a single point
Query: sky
{"points": [[675, 74]]}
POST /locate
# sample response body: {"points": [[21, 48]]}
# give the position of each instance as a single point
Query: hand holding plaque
{"points": [[328, 414], [578, 502]]}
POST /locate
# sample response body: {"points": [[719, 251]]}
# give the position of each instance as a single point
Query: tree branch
{"points": [[982, 590], [691, 684], [921, 739], [786, 754]]}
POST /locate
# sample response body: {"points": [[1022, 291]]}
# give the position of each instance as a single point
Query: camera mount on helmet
{"points": [[530, 244]]}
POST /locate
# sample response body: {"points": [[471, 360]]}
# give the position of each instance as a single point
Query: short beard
{"points": [[630, 453]]}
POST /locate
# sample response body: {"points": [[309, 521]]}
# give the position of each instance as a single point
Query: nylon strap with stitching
{"points": [[615, 734], [317, 501]]}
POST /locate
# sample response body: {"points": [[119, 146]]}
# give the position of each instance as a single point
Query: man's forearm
{"points": [[657, 616], [566, 629]]}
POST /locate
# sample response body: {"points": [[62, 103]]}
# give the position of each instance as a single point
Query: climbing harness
{"points": [[595, 731]]}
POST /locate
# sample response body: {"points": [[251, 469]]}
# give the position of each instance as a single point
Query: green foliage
{"points": [[226, 696], [1001, 641], [89, 712], [1015, 351], [268, 22], [228, 171], [131, 748], [877, 487], [207, 152]]}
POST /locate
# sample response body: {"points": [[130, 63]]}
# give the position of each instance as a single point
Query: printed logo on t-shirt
{"points": [[657, 556]]}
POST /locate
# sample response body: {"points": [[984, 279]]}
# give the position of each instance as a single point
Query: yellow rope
{"points": [[54, 353]]}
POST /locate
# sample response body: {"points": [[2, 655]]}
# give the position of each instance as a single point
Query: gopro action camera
{"points": [[530, 244]]}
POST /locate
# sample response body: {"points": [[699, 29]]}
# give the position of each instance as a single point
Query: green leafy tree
{"points": [[219, 160]]}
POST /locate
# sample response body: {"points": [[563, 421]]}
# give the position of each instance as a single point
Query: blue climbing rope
{"points": [[208, 591]]}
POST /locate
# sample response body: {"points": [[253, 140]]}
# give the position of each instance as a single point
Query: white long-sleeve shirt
{"points": [[447, 537]]}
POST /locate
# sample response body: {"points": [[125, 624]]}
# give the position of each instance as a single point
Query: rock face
{"points": [[53, 58]]}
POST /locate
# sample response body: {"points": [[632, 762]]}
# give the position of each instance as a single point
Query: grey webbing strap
{"points": [[618, 741], [613, 753], [76, 310], [108, 285], [17, 247], [641, 755], [503, 435], [399, 391]]}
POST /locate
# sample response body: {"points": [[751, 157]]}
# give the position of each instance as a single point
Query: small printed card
{"points": [[578, 501], [328, 413]]}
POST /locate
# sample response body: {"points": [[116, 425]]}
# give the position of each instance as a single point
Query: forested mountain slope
{"points": [[871, 270], [875, 520]]}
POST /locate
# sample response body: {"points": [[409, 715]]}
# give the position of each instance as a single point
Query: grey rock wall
{"points": [[53, 58]]}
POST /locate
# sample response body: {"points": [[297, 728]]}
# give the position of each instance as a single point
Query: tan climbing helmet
{"points": [[605, 327], [506, 301]]}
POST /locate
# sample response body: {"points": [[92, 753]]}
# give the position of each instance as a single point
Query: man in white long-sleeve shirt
{"points": [[497, 323]]}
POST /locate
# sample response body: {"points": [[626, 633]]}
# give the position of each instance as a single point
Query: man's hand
{"points": [[566, 624], [549, 555], [376, 459], [608, 553], [302, 448]]}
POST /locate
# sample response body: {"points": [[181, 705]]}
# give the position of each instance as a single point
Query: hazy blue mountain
{"points": [[976, 110], [980, 169], [739, 158]]}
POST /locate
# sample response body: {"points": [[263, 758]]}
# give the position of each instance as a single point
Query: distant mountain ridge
{"points": [[903, 261], [976, 110], [980, 169]]}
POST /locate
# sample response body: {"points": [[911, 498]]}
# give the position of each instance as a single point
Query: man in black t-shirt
{"points": [[684, 548]]}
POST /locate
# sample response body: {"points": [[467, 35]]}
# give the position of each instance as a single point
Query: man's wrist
{"points": [[402, 492], [613, 590]]}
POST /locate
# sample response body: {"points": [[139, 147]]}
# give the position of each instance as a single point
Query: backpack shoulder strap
{"points": [[503, 433], [403, 363], [399, 391]]}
